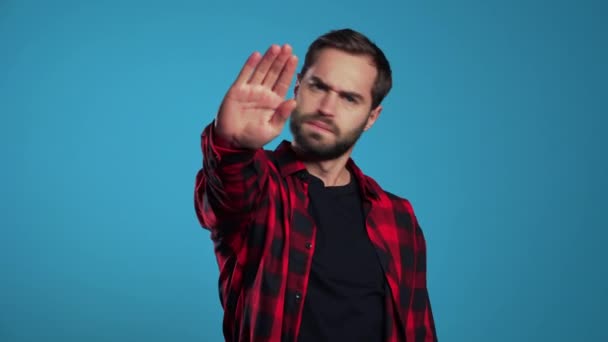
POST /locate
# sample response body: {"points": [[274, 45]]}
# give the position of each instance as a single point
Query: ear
{"points": [[373, 116], [297, 86]]}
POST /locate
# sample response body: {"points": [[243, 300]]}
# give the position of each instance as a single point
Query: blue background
{"points": [[495, 130]]}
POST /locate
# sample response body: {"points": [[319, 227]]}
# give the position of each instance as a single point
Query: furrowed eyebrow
{"points": [[352, 94], [356, 96], [319, 82]]}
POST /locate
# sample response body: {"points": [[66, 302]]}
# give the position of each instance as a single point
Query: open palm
{"points": [[254, 110]]}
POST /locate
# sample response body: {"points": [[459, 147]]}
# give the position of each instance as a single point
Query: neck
{"points": [[332, 172]]}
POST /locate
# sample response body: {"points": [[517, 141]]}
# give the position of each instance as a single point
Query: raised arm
{"points": [[253, 112]]}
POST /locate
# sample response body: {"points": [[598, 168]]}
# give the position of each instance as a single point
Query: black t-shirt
{"points": [[346, 289]]}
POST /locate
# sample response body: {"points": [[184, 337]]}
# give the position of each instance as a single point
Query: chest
{"points": [[343, 251]]}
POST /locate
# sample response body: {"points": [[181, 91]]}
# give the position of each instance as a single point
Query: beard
{"points": [[313, 145]]}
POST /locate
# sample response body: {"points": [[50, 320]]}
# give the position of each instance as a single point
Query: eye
{"points": [[349, 98], [315, 86]]}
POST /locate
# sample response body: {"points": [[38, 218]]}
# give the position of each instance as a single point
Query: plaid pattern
{"points": [[255, 204]]}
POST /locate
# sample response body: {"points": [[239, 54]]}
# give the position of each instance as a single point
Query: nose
{"points": [[328, 103]]}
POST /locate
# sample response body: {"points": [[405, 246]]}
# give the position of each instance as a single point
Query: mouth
{"points": [[320, 125]]}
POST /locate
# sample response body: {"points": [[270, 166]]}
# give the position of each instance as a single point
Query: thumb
{"points": [[282, 113]]}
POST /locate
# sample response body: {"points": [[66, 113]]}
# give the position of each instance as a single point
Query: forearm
{"points": [[225, 186]]}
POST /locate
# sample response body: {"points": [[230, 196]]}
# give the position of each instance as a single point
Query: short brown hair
{"points": [[353, 42]]}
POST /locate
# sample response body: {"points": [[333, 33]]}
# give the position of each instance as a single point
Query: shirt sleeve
{"points": [[225, 189]]}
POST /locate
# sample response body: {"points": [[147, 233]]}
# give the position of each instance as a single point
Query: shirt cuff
{"points": [[218, 149]]}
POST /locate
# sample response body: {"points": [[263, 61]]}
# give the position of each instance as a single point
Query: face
{"points": [[334, 100]]}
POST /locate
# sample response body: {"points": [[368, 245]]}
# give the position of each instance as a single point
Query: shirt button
{"points": [[298, 296], [308, 245]]}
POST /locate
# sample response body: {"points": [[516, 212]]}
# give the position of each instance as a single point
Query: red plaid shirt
{"points": [[255, 204]]}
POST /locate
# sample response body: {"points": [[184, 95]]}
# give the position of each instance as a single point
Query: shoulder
{"points": [[401, 202], [398, 213], [399, 207], [270, 155], [272, 158], [396, 201]]}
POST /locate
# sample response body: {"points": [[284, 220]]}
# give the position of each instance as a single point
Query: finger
{"points": [[282, 113], [277, 66], [262, 68], [248, 68], [282, 84]]}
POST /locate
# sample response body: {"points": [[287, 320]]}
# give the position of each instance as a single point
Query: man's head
{"points": [[338, 92], [354, 43]]}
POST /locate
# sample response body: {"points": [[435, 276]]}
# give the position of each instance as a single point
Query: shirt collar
{"points": [[289, 164]]}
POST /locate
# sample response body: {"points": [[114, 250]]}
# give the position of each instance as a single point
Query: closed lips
{"points": [[321, 125]]}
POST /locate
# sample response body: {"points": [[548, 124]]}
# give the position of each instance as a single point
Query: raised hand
{"points": [[254, 109]]}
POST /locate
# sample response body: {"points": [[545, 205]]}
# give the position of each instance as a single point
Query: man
{"points": [[309, 248]]}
